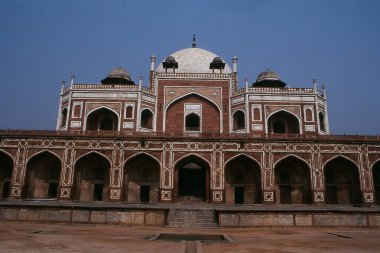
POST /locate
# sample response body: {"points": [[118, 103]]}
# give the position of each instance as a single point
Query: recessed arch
{"points": [[42, 176], [147, 118], [376, 180], [91, 177], [293, 181], [64, 113], [6, 171], [283, 122], [322, 121], [192, 179], [102, 118], [342, 181], [201, 98], [242, 180], [238, 118], [141, 179]]}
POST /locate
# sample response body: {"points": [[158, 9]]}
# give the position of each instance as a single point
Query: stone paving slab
{"points": [[30, 238]]}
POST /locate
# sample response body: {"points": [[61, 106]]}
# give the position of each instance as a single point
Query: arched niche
{"points": [[342, 182], [91, 178], [242, 181], [283, 122], [238, 120], [42, 176], [141, 179], [102, 119], [292, 179], [146, 119]]}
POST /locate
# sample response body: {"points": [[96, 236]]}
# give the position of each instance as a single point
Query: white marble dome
{"points": [[193, 60]]}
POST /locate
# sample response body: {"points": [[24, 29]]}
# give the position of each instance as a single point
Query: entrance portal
{"points": [[192, 181]]}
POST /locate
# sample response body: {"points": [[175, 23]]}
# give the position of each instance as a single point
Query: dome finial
{"points": [[194, 44]]}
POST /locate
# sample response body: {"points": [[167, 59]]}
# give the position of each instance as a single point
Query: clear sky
{"points": [[43, 42]]}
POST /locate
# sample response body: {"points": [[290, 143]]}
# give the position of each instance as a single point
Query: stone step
{"points": [[201, 218]]}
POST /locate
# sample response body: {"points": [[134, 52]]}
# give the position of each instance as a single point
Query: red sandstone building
{"points": [[191, 136]]}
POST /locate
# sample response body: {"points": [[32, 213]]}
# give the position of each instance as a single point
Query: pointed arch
{"points": [[292, 180], [102, 118], [342, 181], [341, 156], [191, 155], [45, 151], [91, 177], [242, 155], [294, 156], [141, 178], [92, 152], [283, 122], [42, 175], [242, 180], [6, 172]]}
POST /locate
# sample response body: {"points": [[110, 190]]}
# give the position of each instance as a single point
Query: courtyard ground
{"points": [[28, 238]]}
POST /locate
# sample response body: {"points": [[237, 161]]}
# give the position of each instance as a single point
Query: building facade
{"points": [[191, 136]]}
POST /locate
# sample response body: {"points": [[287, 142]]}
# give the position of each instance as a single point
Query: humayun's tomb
{"points": [[191, 145]]}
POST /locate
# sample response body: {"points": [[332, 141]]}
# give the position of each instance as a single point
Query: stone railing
{"points": [[123, 87], [279, 90], [194, 75]]}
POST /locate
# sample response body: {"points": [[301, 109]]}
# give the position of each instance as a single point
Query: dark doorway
{"points": [[192, 182], [98, 192], [192, 122], [6, 166], [6, 189], [53, 190], [239, 195], [376, 181], [144, 193]]}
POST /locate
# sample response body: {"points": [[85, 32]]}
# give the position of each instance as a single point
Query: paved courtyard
{"points": [[111, 239]]}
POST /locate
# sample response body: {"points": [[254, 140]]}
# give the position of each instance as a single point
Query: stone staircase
{"points": [[196, 218]]}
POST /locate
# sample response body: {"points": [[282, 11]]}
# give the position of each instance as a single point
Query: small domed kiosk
{"points": [[268, 78], [118, 76]]}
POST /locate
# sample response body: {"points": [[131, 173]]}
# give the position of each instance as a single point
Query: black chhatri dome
{"points": [[268, 78], [118, 76]]}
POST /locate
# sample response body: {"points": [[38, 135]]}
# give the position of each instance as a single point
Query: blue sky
{"points": [[43, 42]]}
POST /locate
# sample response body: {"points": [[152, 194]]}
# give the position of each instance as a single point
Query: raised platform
{"points": [[158, 214]]}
